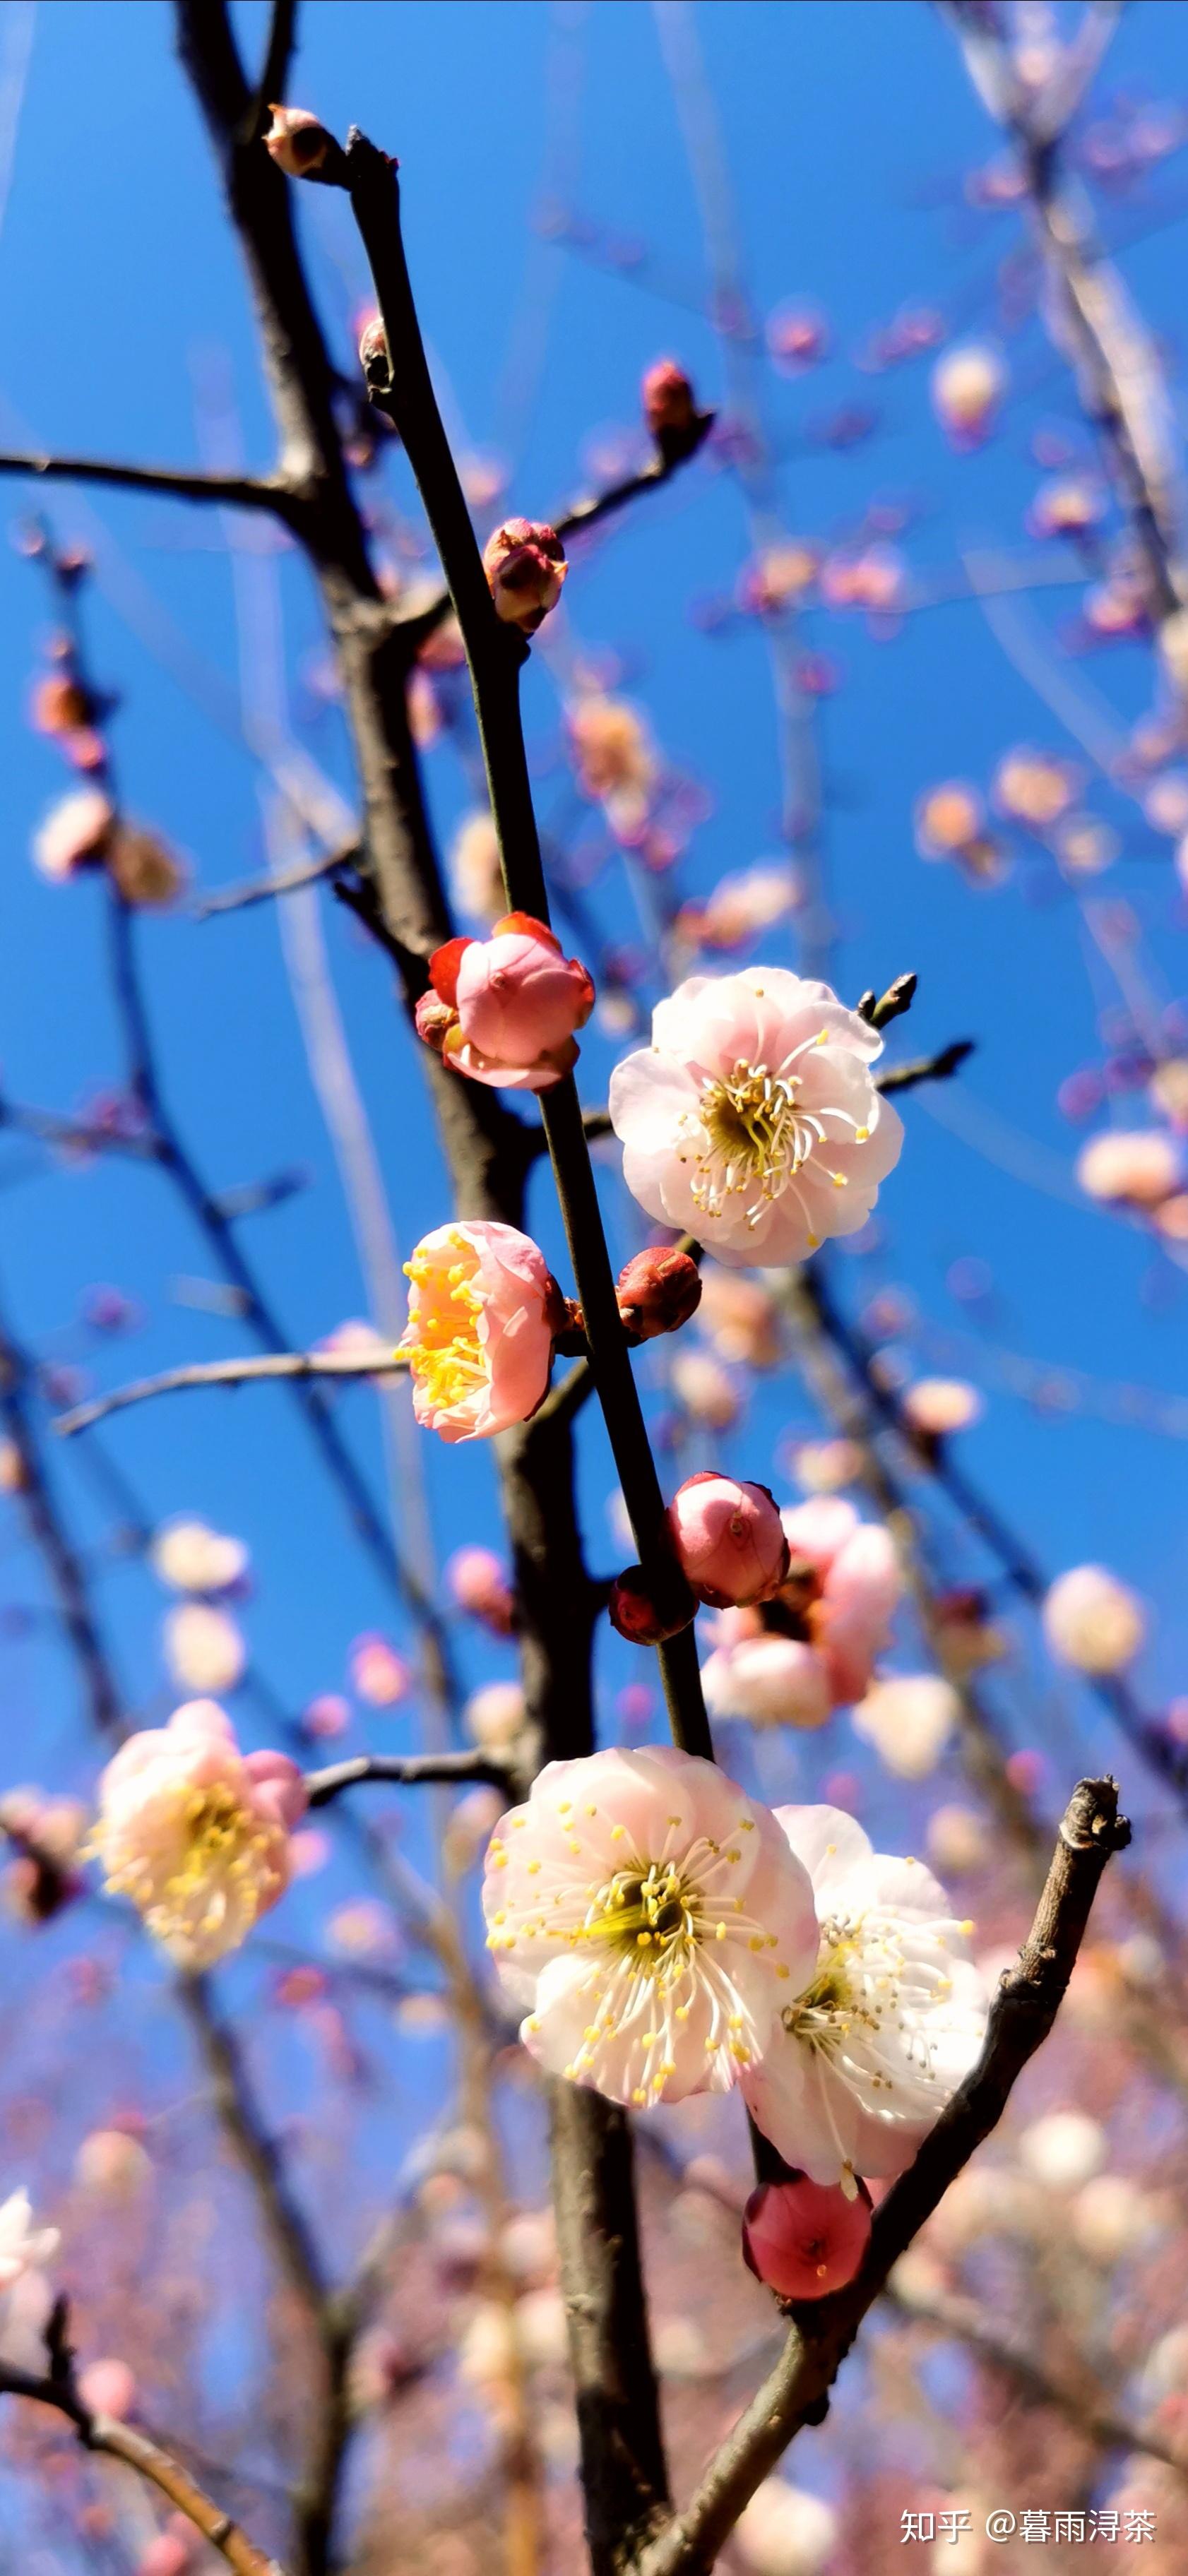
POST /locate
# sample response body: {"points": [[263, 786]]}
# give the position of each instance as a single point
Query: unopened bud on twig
{"points": [[297, 141], [636, 1613], [657, 1291], [524, 561], [805, 2238]]}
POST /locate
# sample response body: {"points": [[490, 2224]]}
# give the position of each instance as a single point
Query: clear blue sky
{"points": [[847, 129]]}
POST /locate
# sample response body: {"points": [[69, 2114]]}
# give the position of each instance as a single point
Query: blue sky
{"points": [[846, 131]]}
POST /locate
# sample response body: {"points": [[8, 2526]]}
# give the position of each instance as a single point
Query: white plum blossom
{"points": [[189, 1557], [909, 1719], [649, 1918], [892, 2021], [784, 2531], [204, 1648], [23, 2247], [752, 1120], [1064, 2149], [1093, 1621]]}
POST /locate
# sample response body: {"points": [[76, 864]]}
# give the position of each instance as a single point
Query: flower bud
{"points": [[512, 1002], [657, 1291], [60, 705], [637, 1615], [373, 347], [144, 869], [668, 407], [729, 1538], [297, 141], [805, 2238], [434, 1020], [479, 1585], [524, 561]]}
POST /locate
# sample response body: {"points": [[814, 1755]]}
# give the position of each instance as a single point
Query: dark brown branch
{"points": [[226, 491], [270, 90], [899, 996], [292, 2243], [48, 1531], [117, 2440], [926, 1068], [265, 889], [1021, 2017], [406, 1768], [51, 1129], [271, 1365]]}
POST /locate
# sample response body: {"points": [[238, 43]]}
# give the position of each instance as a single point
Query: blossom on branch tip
{"points": [[648, 1917], [752, 1121], [196, 1833], [525, 565], [296, 140], [504, 1010], [804, 2239], [729, 1540], [483, 1307], [869, 2053]]}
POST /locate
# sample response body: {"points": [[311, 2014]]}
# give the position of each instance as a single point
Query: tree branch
{"points": [[271, 1365], [292, 2242], [452, 1768], [926, 1068], [226, 491], [49, 1534], [1021, 2017], [290, 881]]}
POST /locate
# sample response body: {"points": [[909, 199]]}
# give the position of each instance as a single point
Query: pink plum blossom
{"points": [[203, 1647], [968, 384], [503, 1010], [805, 2238], [197, 1833], [853, 1579], [378, 1674], [478, 1583], [868, 2054], [935, 1406], [909, 1719], [769, 1680], [752, 1120], [479, 1338], [649, 1918], [729, 1539], [524, 562], [1093, 1621], [1135, 1170]]}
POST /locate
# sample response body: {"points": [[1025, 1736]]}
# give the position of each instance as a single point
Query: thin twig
{"points": [[322, 1786], [1021, 2016], [290, 881], [227, 491], [47, 1528], [926, 1068], [230, 1373]]}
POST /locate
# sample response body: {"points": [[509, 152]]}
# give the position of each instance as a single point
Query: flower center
{"points": [[759, 1135], [441, 1341], [650, 1917]]}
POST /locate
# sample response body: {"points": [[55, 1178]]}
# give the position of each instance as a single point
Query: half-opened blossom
{"points": [[729, 1539], [192, 1558], [909, 1719], [73, 833], [752, 1120], [968, 385], [1135, 1170], [805, 2238], [23, 2247], [525, 565], [872, 2048], [649, 1918], [203, 1647], [197, 1833], [1093, 1621], [479, 1336], [515, 1000], [845, 1578]]}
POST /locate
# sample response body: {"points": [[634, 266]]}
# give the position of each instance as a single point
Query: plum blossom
{"points": [[786, 2531], [805, 2238], [296, 140], [203, 1647], [752, 1120], [23, 2247], [472, 864], [1135, 1170], [378, 1674], [891, 2023], [909, 1719], [479, 1337], [478, 1582], [192, 1558], [1093, 1621], [1064, 2149], [503, 1010], [196, 1833], [935, 1406], [73, 833], [968, 385], [729, 1539], [768, 1679], [846, 1578], [496, 1716], [648, 1917]]}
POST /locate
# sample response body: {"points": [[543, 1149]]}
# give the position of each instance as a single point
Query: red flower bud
{"points": [[668, 405], [805, 2238], [637, 1615], [657, 1291], [297, 141], [60, 705], [524, 561]]}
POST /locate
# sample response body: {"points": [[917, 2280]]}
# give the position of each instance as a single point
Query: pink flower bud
{"points": [[657, 1291], [108, 2387], [637, 1615], [480, 1586], [525, 564], [373, 345], [514, 1002], [668, 405], [297, 141], [805, 2238], [729, 1539]]}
